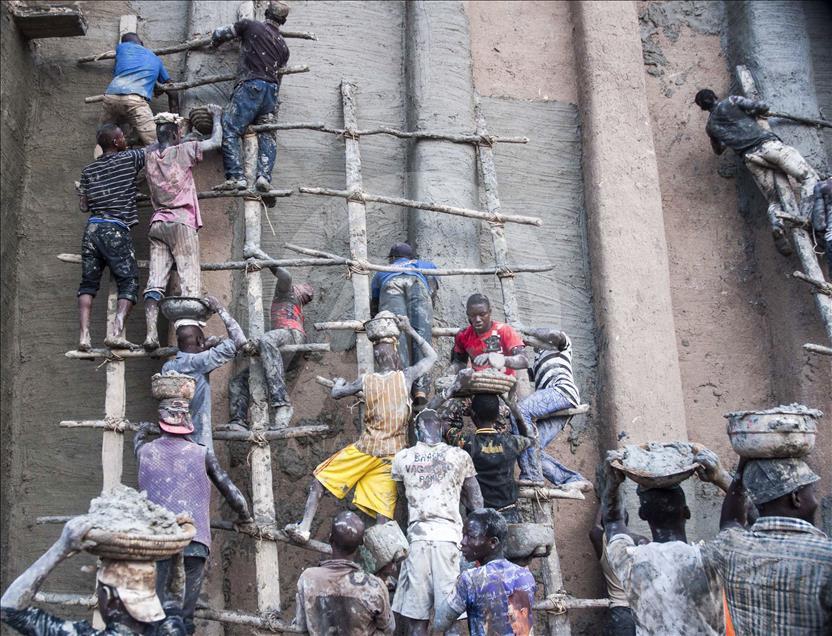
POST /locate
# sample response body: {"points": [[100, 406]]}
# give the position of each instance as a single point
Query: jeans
{"points": [[252, 100], [535, 463], [407, 296], [194, 575], [274, 364]]}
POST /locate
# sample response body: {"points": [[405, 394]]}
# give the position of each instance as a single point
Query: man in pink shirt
{"points": [[176, 219]]}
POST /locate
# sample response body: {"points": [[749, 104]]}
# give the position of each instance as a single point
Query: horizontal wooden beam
{"points": [[230, 194], [75, 259], [821, 286], [491, 217], [815, 348], [543, 493], [562, 602], [269, 435]]}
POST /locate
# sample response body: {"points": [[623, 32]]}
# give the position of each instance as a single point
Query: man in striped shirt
{"points": [[555, 390], [367, 464], [107, 191]]}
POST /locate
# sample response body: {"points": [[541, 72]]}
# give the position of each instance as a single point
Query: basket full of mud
{"points": [[655, 465], [127, 526], [166, 386], [783, 431]]}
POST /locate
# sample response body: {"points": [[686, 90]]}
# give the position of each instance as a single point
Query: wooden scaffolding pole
{"points": [[800, 236], [357, 226]]}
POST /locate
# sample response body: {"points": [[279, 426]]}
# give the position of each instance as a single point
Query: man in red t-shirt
{"points": [[487, 343], [287, 328]]}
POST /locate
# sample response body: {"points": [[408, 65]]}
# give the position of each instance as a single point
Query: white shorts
{"points": [[427, 576]]}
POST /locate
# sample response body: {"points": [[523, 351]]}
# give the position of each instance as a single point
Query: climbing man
{"points": [[287, 328], [176, 218], [434, 477], [777, 573], [127, 98], [263, 52], [177, 474], [337, 596], [107, 191], [670, 590], [497, 594], [197, 357], [494, 451], [125, 591], [366, 465], [407, 294], [822, 216], [487, 343], [732, 123], [555, 390]]}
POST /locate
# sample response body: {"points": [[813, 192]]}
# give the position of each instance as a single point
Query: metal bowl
{"points": [[664, 477], [784, 431], [183, 307]]}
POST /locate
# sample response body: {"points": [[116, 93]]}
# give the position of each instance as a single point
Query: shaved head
{"points": [[347, 532]]}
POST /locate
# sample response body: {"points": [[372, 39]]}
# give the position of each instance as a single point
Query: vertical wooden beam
{"points": [[358, 226], [550, 572], [488, 176], [265, 552]]}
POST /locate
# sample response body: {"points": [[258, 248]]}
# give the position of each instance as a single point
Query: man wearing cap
{"points": [[263, 52], [366, 465], [777, 573], [128, 96], [287, 328], [177, 474], [669, 587], [198, 356], [176, 218], [410, 294], [125, 590]]}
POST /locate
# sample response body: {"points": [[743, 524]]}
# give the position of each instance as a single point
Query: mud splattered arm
{"points": [[223, 34], [140, 437], [596, 534], [750, 106], [716, 145], [284, 280], [611, 503], [227, 488], [20, 593], [425, 364], [342, 388], [471, 494], [235, 332], [735, 505], [215, 141]]}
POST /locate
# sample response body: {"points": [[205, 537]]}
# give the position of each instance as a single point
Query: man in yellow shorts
{"points": [[365, 465]]}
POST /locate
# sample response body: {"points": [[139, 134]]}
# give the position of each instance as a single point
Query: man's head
{"points": [[126, 592], [665, 510], [347, 534], [189, 336], [277, 11], [304, 293], [429, 426], [132, 37], [485, 409], [520, 613], [706, 99], [478, 309], [111, 138], [175, 416], [400, 250], [782, 487], [484, 535]]}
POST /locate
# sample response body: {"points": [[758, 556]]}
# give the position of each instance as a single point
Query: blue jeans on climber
{"points": [[535, 462], [253, 101]]}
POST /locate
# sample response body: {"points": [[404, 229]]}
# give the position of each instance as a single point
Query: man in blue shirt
{"points": [[407, 294], [127, 98]]}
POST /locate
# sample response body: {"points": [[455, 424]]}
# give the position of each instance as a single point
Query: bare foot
{"points": [[150, 344], [296, 533], [118, 342], [582, 485], [84, 343]]}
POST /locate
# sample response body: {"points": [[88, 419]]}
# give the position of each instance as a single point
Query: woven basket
{"points": [[492, 382], [122, 546]]}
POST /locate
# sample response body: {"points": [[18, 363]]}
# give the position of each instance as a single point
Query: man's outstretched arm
{"points": [[227, 488], [20, 593], [235, 332], [284, 280], [425, 364], [215, 141], [341, 388], [611, 503]]}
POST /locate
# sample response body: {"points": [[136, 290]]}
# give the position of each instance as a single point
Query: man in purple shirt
{"points": [[176, 219], [177, 474], [498, 594]]}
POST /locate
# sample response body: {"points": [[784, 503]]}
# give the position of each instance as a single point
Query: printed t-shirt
{"points": [[486, 593], [500, 338], [136, 71], [287, 310], [379, 278], [668, 587], [433, 475], [494, 454], [170, 179], [262, 50], [109, 183]]}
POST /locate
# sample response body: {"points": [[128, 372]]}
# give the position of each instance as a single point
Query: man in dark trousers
{"points": [[337, 596], [107, 191], [732, 123], [127, 99], [177, 474], [263, 51]]}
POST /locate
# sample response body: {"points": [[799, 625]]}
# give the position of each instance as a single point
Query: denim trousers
{"points": [[252, 100], [536, 463], [408, 296]]}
